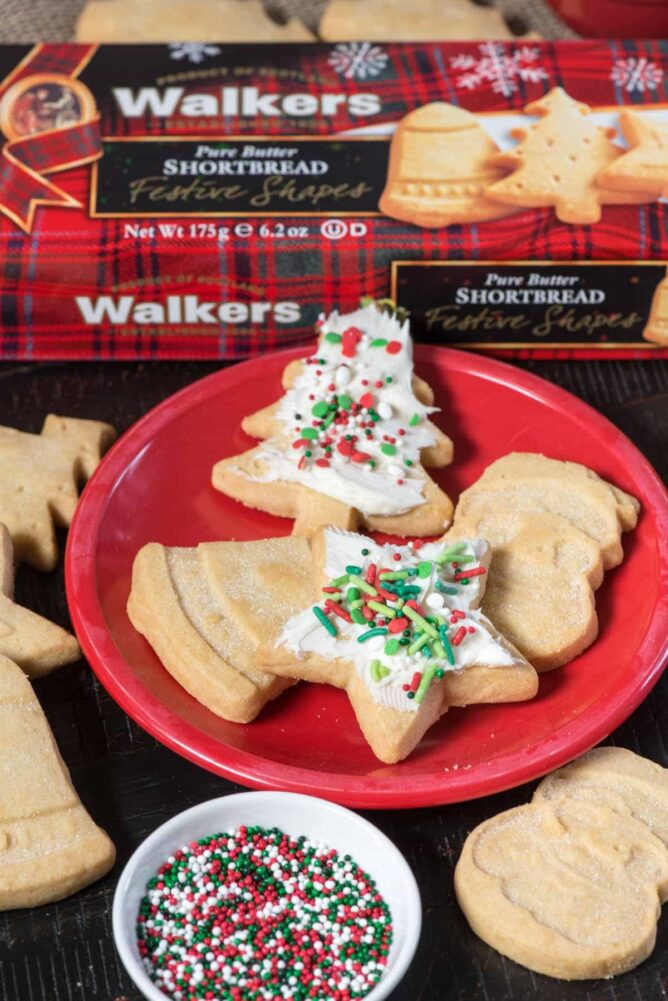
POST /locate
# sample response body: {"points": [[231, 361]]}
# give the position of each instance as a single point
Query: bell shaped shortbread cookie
{"points": [[204, 610], [49, 846], [440, 168]]}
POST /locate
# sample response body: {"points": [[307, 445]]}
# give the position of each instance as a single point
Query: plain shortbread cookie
{"points": [[35, 644], [49, 846], [204, 610], [40, 479], [568, 888]]}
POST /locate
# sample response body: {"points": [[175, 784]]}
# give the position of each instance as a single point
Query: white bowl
{"points": [[339, 828]]}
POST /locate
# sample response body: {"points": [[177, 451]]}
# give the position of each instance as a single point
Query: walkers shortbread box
{"points": [[211, 201]]}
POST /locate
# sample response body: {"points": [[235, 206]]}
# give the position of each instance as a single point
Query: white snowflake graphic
{"points": [[194, 52], [358, 60], [498, 67], [636, 74]]}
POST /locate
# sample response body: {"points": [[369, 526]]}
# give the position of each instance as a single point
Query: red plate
{"points": [[154, 486]]}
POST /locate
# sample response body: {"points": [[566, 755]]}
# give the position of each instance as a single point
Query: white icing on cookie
{"points": [[368, 457], [472, 638]]}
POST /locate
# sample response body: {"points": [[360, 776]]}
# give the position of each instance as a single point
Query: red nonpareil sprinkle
{"points": [[459, 636], [396, 557], [349, 341], [379, 384], [331, 606], [465, 574], [344, 447]]}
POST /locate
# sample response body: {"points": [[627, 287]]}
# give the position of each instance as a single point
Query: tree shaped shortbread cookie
{"points": [[347, 443], [34, 643], [40, 478], [398, 628], [558, 161]]}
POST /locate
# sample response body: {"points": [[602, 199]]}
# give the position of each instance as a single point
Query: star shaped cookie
{"points": [[645, 167], [41, 474], [348, 442], [35, 644], [399, 628]]}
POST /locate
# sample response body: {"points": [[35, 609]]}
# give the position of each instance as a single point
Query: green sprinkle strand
{"points": [[378, 631], [324, 621], [362, 585]]}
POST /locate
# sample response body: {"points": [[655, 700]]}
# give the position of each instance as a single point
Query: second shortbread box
{"points": [[210, 201]]}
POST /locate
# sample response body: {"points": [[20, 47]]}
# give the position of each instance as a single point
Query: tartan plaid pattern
{"points": [[63, 59], [46, 152], [69, 254], [51, 151]]}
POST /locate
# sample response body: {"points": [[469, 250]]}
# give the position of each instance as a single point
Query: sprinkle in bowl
{"points": [[296, 816]]}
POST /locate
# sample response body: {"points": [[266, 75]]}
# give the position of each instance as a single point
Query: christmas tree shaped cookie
{"points": [[644, 168], [399, 628], [558, 162], [349, 439], [49, 846], [40, 477], [34, 643]]}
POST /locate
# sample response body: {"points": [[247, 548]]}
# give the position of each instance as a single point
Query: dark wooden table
{"points": [[131, 784]]}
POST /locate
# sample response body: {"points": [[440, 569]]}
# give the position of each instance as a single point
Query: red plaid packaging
{"points": [[210, 201]]}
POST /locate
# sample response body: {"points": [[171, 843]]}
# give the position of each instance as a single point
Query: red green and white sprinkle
{"points": [[255, 915]]}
